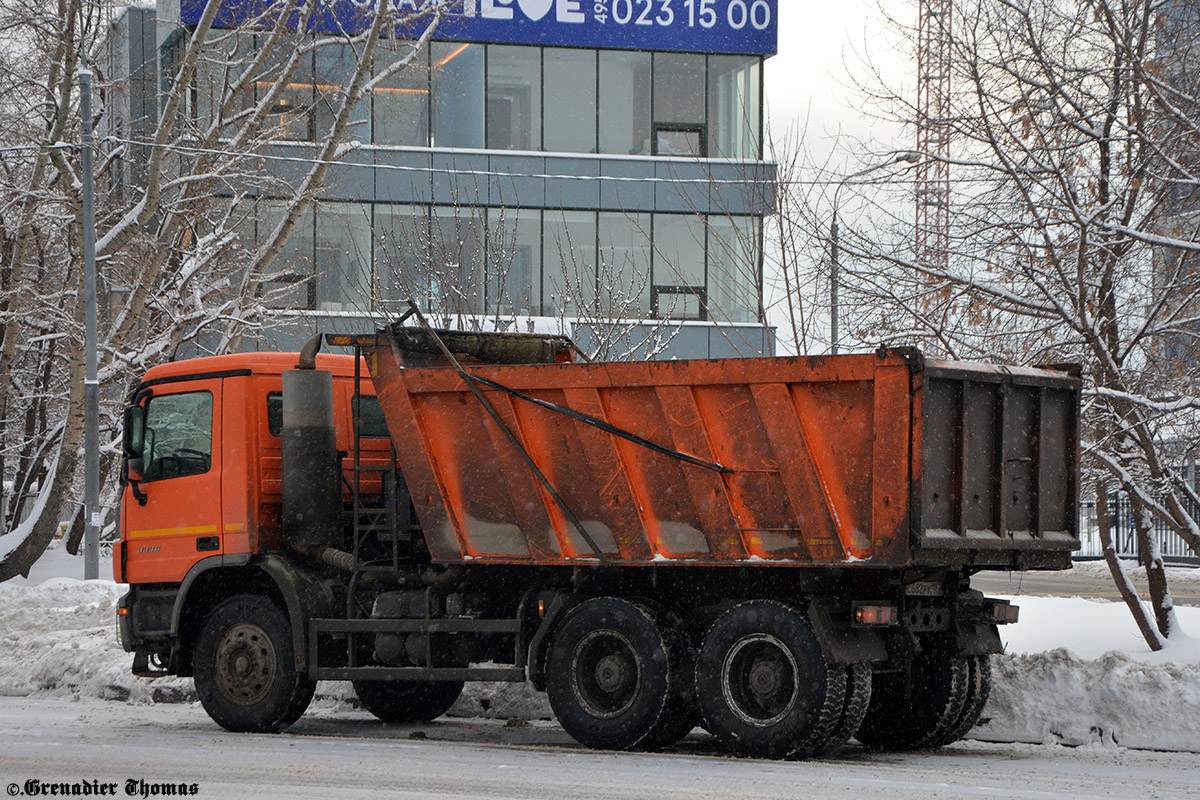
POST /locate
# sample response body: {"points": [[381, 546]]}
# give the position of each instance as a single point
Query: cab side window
{"points": [[368, 415], [275, 413], [178, 435]]}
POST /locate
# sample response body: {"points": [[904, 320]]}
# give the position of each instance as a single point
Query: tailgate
{"points": [[996, 469]]}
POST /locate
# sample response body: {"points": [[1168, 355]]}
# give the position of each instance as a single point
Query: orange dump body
{"points": [[815, 455], [881, 459]]}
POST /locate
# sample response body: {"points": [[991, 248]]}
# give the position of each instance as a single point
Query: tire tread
{"points": [[941, 684], [793, 737]]}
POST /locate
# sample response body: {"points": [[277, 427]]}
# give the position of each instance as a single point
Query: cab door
{"points": [[177, 520]]}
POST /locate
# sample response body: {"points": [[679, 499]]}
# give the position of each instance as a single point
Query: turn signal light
{"points": [[876, 615]]}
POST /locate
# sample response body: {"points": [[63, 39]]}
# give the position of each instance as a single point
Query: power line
{"points": [[38, 148]]}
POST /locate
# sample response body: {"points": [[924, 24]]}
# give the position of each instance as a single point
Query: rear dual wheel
{"points": [[854, 708], [764, 686], [934, 702], [619, 675], [979, 688]]}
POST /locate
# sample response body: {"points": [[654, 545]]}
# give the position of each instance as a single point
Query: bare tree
{"points": [[176, 267], [473, 268], [1074, 236], [607, 291]]}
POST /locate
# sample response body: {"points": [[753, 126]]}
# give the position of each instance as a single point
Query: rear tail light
{"points": [[876, 615], [1004, 612]]}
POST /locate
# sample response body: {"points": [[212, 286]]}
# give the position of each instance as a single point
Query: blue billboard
{"points": [[704, 26]]}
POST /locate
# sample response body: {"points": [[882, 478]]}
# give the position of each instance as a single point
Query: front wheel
{"points": [[245, 667]]}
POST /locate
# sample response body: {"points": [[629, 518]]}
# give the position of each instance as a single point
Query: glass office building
{"points": [[601, 162]]}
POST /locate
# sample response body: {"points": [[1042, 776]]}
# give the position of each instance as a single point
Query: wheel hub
{"points": [[611, 673], [605, 674], [246, 664], [766, 677]]}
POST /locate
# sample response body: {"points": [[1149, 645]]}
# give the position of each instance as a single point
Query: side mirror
{"points": [[132, 443], [135, 426], [131, 473], [133, 469]]}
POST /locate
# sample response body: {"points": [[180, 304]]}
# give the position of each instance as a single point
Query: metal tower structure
{"points": [[933, 135]]}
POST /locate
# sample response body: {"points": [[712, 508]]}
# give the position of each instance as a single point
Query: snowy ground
{"points": [[342, 754], [1075, 672]]}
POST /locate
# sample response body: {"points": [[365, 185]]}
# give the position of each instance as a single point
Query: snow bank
{"points": [[1075, 671], [60, 639], [1059, 698], [1078, 672]]}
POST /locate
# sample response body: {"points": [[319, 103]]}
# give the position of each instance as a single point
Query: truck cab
{"points": [[203, 481]]}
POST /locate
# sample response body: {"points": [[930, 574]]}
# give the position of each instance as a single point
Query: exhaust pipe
{"points": [[312, 472], [308, 353]]}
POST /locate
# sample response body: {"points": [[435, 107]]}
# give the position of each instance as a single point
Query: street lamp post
{"points": [[907, 157]]}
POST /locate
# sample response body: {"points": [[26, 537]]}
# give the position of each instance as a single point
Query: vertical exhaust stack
{"points": [[312, 491]]}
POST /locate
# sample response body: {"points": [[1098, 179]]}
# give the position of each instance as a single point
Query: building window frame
{"points": [[699, 130]]}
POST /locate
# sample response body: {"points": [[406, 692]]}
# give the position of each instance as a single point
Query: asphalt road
{"points": [[345, 755], [1074, 584]]}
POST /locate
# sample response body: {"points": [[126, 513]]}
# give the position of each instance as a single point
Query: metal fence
{"points": [[1174, 550]]}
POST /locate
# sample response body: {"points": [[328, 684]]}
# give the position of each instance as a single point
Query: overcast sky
{"points": [[806, 80], [821, 43]]}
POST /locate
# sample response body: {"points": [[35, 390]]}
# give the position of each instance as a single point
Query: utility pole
{"points": [[91, 384]]}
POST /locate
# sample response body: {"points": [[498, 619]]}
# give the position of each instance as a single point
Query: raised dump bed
{"points": [[882, 459]]}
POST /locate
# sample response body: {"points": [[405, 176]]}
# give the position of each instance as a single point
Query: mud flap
{"points": [[142, 668], [561, 603], [306, 596], [978, 639], [841, 642]]}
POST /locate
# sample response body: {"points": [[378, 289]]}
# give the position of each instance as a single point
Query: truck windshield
{"points": [[178, 438]]}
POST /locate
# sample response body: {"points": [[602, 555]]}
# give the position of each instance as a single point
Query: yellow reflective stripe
{"points": [[235, 527], [193, 531]]}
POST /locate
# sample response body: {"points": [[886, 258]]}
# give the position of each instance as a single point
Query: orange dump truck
{"points": [[779, 549]]}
